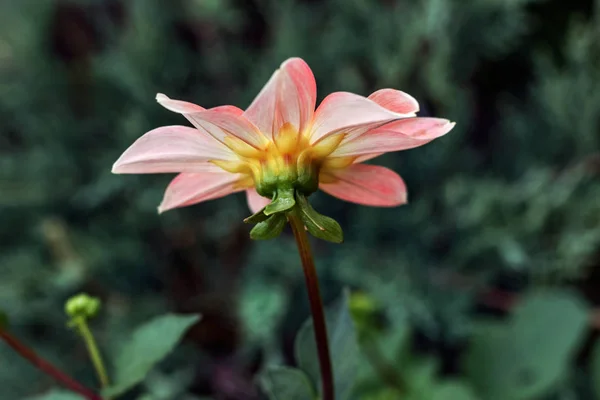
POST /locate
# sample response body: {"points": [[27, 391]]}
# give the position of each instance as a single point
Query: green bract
{"points": [[271, 220], [269, 228], [317, 224]]}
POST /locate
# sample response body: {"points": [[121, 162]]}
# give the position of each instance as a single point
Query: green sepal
{"points": [[284, 200], [256, 218], [269, 228], [3, 320], [319, 225]]}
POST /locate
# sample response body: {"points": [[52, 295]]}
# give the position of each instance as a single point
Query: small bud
{"points": [[362, 305], [318, 225], [366, 314], [82, 305], [3, 320], [270, 228]]}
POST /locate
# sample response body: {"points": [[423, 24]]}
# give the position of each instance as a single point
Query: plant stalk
{"points": [[92, 347], [316, 304], [46, 367]]}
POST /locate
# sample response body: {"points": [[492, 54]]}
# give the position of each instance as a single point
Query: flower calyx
{"points": [[270, 221]]}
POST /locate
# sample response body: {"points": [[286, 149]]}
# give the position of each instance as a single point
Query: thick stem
{"points": [[90, 343], [47, 368], [316, 304]]}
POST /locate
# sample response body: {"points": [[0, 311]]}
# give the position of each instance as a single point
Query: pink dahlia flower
{"points": [[282, 141]]}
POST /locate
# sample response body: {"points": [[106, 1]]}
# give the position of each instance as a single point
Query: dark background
{"points": [[507, 202]]}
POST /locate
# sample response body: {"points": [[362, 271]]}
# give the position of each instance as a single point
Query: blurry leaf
{"points": [[530, 355], [3, 320], [381, 394], [595, 368], [261, 308], [420, 374], [57, 395], [343, 345], [453, 391], [283, 383], [396, 340], [149, 344]]}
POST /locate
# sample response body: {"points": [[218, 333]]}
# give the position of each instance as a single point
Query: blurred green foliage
{"points": [[503, 205]]}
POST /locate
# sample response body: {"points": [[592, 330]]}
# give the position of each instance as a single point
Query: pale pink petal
{"points": [[396, 101], [178, 106], [394, 136], [184, 107], [171, 149], [219, 122], [365, 157], [348, 113], [256, 202], [228, 109], [288, 97], [191, 188], [369, 185]]}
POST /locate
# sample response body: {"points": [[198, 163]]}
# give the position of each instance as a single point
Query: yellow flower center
{"points": [[287, 162]]}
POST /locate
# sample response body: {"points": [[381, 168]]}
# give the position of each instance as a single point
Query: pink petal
{"points": [[366, 157], [396, 101], [288, 97], [178, 106], [228, 109], [255, 201], [171, 149], [348, 113], [191, 188], [219, 122], [398, 135], [370, 185]]}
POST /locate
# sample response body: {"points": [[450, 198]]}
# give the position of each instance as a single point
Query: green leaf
{"points": [[343, 345], [318, 225], [284, 383], [269, 229], [530, 355], [57, 395], [149, 344]]}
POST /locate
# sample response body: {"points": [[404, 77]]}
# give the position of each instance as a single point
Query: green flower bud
{"points": [[82, 305], [366, 313]]}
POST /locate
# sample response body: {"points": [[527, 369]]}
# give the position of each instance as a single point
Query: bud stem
{"points": [[88, 337], [46, 367], [316, 304]]}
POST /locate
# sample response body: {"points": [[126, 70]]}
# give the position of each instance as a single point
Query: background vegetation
{"points": [[483, 287]]}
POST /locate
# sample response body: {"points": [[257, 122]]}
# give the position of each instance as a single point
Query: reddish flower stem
{"points": [[316, 305], [46, 367]]}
